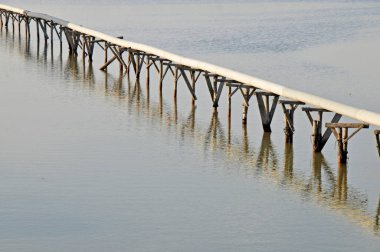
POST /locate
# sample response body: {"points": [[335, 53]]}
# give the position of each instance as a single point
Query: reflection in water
{"points": [[333, 191]]}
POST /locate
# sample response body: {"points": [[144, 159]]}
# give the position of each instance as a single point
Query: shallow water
{"points": [[90, 162]]}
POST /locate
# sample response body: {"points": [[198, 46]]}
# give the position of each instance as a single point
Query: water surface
{"points": [[89, 161]]}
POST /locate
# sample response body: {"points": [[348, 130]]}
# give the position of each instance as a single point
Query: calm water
{"points": [[91, 162]]}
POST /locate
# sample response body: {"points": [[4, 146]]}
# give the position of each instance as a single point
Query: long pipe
{"points": [[346, 110]]}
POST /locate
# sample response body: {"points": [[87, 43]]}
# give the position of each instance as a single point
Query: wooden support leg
{"points": [[266, 111], [13, 24], [229, 103], [60, 39], [83, 47], [19, 25], [193, 81], [245, 114], [129, 63], [377, 135], [51, 33], [340, 131], [148, 64], [38, 30], [105, 52], [160, 76], [176, 77]]}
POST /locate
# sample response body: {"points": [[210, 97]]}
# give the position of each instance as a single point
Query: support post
{"points": [[19, 25], [105, 52], [51, 33], [38, 30], [60, 39], [266, 111], [83, 47], [319, 138], [340, 131], [193, 81], [148, 64], [160, 76], [176, 77], [377, 135], [289, 107]]}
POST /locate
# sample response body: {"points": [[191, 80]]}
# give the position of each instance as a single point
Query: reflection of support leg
{"points": [[377, 135], [340, 131], [377, 217], [245, 139], [288, 162], [317, 170], [342, 182]]}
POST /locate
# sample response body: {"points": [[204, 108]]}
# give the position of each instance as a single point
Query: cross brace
{"points": [[266, 111], [215, 88]]}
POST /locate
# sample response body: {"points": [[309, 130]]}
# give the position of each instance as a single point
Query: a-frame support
{"points": [[267, 110], [289, 107], [189, 84], [319, 139], [137, 61], [73, 38], [88, 45], [340, 131], [215, 88]]}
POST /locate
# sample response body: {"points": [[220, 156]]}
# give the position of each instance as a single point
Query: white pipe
{"points": [[349, 111]]}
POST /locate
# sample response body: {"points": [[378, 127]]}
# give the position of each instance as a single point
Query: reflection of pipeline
{"points": [[377, 217], [334, 195]]}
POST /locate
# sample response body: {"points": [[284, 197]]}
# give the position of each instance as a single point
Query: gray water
{"points": [[90, 162]]}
